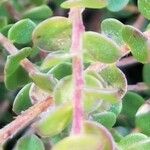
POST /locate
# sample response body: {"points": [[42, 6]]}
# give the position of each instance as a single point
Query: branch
{"points": [[22, 121], [78, 70]]}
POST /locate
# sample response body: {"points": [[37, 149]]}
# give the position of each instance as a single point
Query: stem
{"points": [[24, 120], [77, 66], [26, 64]]}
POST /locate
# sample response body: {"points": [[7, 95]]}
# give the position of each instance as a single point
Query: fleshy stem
{"points": [[77, 66]]}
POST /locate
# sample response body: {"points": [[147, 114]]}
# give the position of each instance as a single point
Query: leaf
{"points": [[53, 34], [37, 95], [118, 5], [107, 119], [15, 75], [84, 4], [79, 142], [114, 31], [114, 78], [61, 70], [54, 58], [21, 32], [44, 81], [63, 92], [5, 29], [146, 74], [143, 6], [131, 139], [142, 118], [29, 142], [22, 100], [137, 42], [38, 13], [116, 108], [104, 136], [55, 121], [131, 103], [3, 22], [100, 48]]}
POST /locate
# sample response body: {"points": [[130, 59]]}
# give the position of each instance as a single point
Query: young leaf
{"points": [[84, 4], [53, 34], [54, 58], [29, 142], [61, 70], [38, 13], [131, 103], [137, 42], [55, 122], [79, 142], [15, 75], [118, 5], [22, 100], [107, 119], [116, 108], [143, 6], [114, 31], [142, 119], [100, 48], [104, 136], [3, 22], [21, 32], [44, 81]]}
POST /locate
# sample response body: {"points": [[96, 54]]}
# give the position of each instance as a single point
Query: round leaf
{"points": [[55, 122], [21, 32], [137, 42], [22, 100], [29, 142], [15, 75], [114, 31], [100, 48], [84, 4], [53, 34]]}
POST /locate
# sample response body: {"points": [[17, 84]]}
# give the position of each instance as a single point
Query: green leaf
{"points": [[107, 119], [131, 103], [5, 29], [143, 119], [104, 136], [61, 70], [146, 74], [54, 58], [21, 32], [116, 108], [84, 4], [39, 2], [118, 5], [45, 81], [29, 142], [22, 100], [78, 142], [100, 48], [114, 31], [55, 121], [63, 92], [15, 75], [53, 34], [131, 139], [114, 77], [143, 6], [137, 42], [38, 13], [3, 22]]}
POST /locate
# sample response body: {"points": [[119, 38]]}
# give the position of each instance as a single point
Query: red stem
{"points": [[77, 65]]}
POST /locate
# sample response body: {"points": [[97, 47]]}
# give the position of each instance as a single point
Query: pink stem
{"points": [[77, 65]]}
